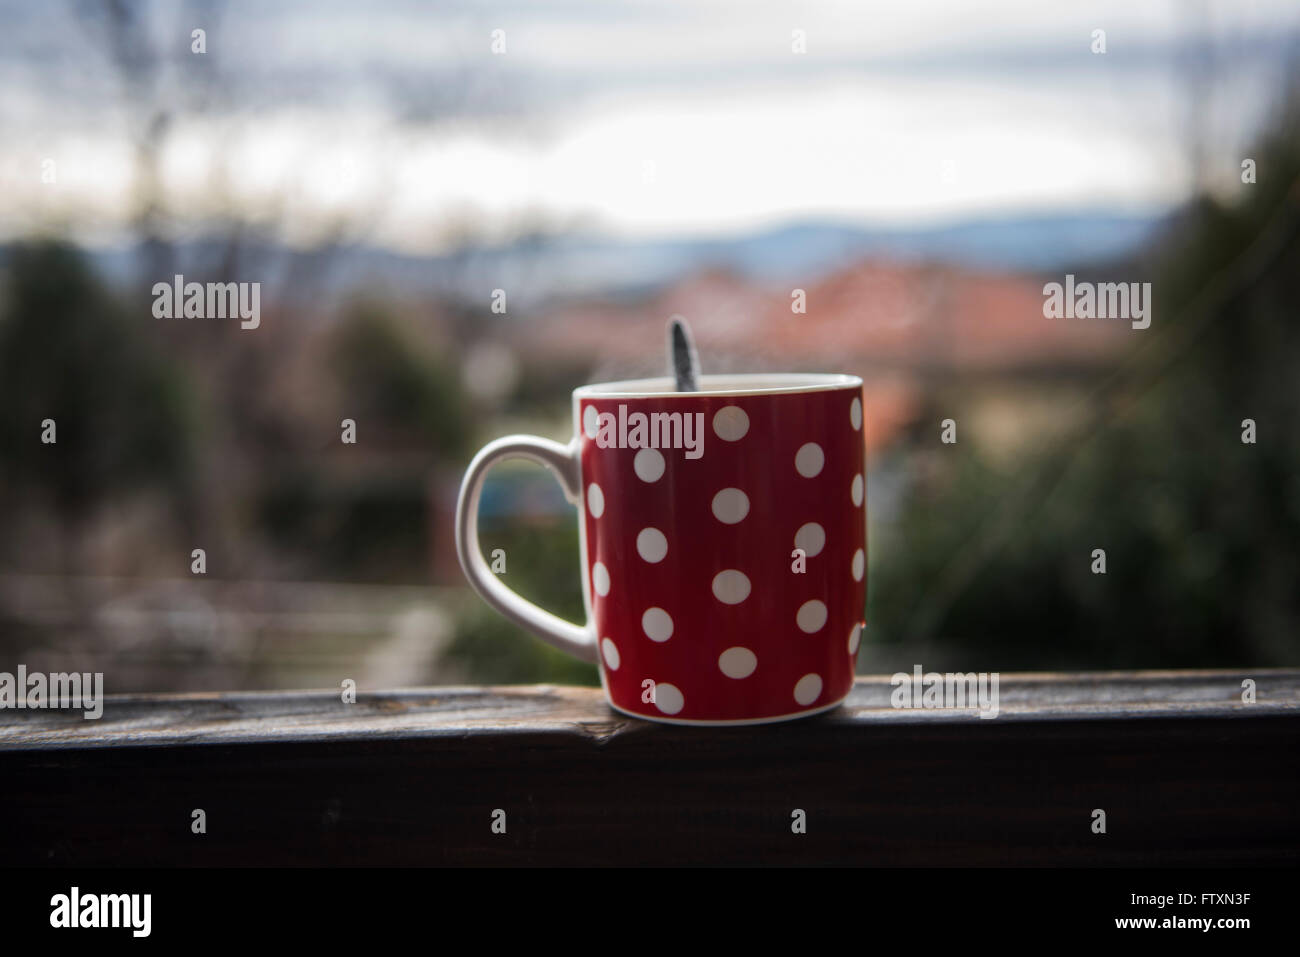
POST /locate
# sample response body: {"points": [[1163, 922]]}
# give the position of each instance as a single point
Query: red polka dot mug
{"points": [[723, 539]]}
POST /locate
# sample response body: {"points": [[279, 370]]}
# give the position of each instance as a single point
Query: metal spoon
{"points": [[683, 361]]}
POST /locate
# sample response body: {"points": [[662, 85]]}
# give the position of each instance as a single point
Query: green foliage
{"points": [[397, 386], [545, 390], [542, 562], [69, 353], [360, 529], [494, 651], [366, 515], [1201, 531]]}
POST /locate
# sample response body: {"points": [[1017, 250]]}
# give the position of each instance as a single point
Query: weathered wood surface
{"points": [[1186, 773]]}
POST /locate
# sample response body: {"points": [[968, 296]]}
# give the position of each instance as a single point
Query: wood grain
{"points": [[1186, 773]]}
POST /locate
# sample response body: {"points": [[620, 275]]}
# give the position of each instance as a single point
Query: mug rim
{"points": [[758, 383]]}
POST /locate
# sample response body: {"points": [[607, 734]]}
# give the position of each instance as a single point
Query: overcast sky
{"points": [[663, 118]]}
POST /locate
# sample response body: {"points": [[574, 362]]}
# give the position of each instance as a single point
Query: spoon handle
{"points": [[683, 361]]}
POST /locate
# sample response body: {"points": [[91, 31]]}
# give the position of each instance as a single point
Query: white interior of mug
{"points": [[755, 384]]}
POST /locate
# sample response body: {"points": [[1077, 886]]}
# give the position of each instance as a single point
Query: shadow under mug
{"points": [[723, 537]]}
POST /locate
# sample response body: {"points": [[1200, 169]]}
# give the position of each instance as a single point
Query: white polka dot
{"points": [[808, 689], [657, 624], [610, 650], [730, 423], [730, 587], [809, 460], [730, 506], [856, 490], [595, 500], [600, 579], [651, 545], [667, 698], [737, 662], [811, 616], [855, 413], [811, 538], [859, 564], [649, 465], [855, 636], [590, 421]]}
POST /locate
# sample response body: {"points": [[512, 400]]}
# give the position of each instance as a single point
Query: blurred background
{"points": [[384, 169]]}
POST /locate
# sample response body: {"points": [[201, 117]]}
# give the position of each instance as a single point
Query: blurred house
{"points": [[909, 329]]}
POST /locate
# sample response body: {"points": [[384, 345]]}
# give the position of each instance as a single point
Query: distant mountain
{"points": [[811, 250], [572, 266]]}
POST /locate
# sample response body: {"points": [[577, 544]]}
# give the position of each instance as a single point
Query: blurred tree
{"points": [[407, 395], [366, 515], [67, 353], [1201, 530], [542, 559]]}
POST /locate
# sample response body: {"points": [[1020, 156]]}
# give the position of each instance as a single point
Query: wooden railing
{"points": [[1185, 771]]}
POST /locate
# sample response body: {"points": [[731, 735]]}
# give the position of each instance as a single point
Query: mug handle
{"points": [[577, 640]]}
